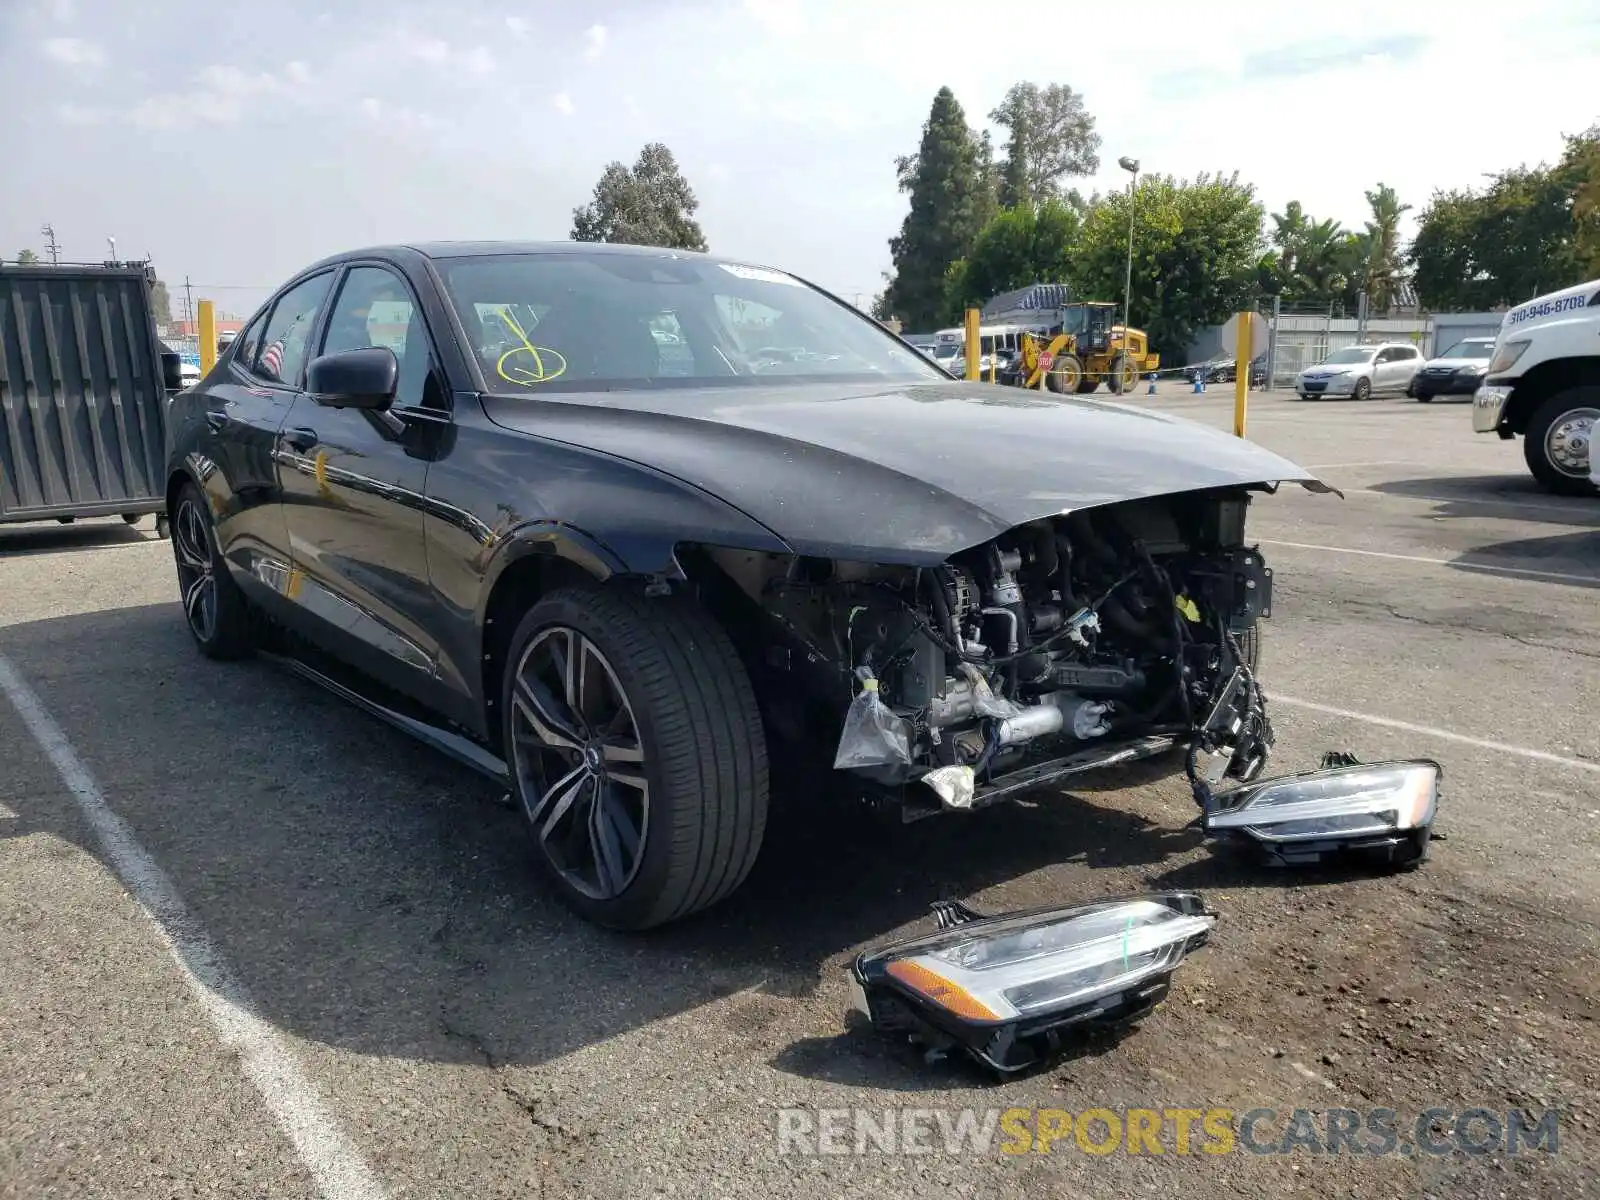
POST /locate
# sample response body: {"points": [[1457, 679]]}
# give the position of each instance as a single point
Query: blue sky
{"points": [[236, 144]]}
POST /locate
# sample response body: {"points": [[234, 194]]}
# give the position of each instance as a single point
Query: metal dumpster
{"points": [[83, 394]]}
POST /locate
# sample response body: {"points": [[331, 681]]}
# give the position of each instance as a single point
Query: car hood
{"points": [[898, 473], [1454, 364], [1326, 371]]}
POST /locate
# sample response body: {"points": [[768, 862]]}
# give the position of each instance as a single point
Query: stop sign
{"points": [[1045, 360]]}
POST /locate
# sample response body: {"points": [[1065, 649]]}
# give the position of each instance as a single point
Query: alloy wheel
{"points": [[579, 760], [196, 570], [1570, 441]]}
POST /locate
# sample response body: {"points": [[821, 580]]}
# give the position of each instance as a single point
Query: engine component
{"points": [[1126, 680], [1057, 712]]}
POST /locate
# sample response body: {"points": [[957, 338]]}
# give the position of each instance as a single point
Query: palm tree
{"points": [[1383, 234], [1288, 232], [1316, 276]]}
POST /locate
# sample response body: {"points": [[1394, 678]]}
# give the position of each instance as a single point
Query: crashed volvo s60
{"points": [[611, 522]]}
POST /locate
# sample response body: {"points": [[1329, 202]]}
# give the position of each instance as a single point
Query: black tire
{"points": [[221, 626], [702, 813], [1550, 415], [1065, 374], [1424, 398], [1363, 389], [1123, 376], [130, 518], [1086, 386]]}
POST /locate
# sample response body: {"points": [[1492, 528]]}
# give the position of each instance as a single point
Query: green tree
{"points": [[1050, 135], [650, 204], [1197, 246], [1526, 233], [951, 196], [160, 303], [1583, 162], [26, 257], [1310, 257], [1019, 246], [1288, 233], [1386, 263]]}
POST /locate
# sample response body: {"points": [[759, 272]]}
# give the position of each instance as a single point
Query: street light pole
{"points": [[1131, 165]]}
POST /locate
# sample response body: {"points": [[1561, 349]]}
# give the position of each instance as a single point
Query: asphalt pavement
{"points": [[253, 943]]}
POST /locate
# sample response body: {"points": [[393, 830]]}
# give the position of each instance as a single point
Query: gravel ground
{"points": [[464, 1036]]}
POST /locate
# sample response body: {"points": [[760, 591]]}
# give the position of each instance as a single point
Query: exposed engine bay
{"points": [[1067, 643]]}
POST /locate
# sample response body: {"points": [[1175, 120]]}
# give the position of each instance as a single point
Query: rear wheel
{"points": [[1087, 385], [214, 608], [637, 753], [1559, 440], [1124, 375]]}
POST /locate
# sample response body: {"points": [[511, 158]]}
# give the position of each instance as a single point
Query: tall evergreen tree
{"points": [[951, 196]]}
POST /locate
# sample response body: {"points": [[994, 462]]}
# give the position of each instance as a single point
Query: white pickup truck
{"points": [[1544, 383]]}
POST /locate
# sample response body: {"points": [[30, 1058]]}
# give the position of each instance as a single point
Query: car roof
{"points": [[474, 249]]}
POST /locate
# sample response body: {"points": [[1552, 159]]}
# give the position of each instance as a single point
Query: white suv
{"points": [[1361, 371]]}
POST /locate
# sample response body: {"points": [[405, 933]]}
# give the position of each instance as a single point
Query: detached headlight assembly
{"points": [[1505, 357], [1384, 808], [1006, 989]]}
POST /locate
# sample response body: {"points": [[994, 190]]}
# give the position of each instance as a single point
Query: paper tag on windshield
{"points": [[759, 274]]}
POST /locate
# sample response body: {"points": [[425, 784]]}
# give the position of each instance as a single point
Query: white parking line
{"points": [[337, 1166], [1386, 462], [1519, 572], [1576, 764], [1479, 500]]}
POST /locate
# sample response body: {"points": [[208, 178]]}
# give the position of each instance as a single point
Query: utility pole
{"points": [[112, 242], [188, 303], [51, 246]]}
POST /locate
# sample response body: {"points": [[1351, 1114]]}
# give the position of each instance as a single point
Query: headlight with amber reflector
{"points": [[1386, 806], [1005, 988]]}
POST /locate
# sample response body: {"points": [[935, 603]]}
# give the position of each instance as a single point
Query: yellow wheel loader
{"points": [[1079, 340]]}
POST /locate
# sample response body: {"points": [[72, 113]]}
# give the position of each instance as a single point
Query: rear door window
{"points": [[284, 342]]}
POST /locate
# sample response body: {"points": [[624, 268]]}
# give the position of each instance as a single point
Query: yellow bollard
{"points": [[1241, 370], [207, 313], [973, 344]]}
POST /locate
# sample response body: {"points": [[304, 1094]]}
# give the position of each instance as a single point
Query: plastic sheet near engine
{"points": [[873, 735]]}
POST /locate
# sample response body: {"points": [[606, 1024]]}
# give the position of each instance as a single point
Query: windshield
{"points": [[1351, 354], [1469, 350], [601, 321], [946, 350]]}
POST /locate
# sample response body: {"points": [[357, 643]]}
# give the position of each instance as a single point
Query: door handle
{"points": [[300, 439]]}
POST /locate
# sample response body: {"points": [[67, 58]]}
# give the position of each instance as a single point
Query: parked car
{"points": [[1362, 371], [1457, 372], [616, 583]]}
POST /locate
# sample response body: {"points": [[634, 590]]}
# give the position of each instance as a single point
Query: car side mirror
{"points": [[363, 378]]}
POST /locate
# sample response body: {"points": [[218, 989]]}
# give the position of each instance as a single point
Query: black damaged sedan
{"points": [[611, 523]]}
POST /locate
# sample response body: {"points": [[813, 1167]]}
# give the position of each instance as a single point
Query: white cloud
{"points": [[594, 42], [717, 172], [62, 10], [397, 118], [563, 104], [297, 72], [74, 52], [783, 17], [631, 103], [77, 114], [479, 61], [520, 26]]}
